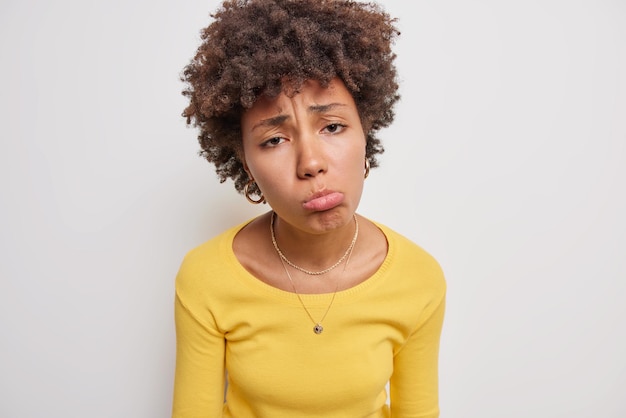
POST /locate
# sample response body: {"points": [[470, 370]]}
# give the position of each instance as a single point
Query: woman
{"points": [[309, 310]]}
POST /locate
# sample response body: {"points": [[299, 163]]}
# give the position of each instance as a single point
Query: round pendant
{"points": [[318, 328]]}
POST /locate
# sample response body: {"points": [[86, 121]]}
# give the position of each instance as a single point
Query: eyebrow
{"points": [[325, 108], [279, 119]]}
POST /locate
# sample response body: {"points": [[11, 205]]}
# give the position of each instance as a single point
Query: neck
{"points": [[314, 251]]}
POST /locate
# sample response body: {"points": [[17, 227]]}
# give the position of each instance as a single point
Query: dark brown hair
{"points": [[253, 47]]}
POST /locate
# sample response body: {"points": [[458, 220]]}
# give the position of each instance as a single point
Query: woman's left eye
{"points": [[334, 128]]}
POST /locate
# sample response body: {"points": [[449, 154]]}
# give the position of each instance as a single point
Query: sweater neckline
{"points": [[258, 285]]}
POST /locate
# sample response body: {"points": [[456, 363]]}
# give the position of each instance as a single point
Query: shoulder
{"points": [[412, 264], [213, 258]]}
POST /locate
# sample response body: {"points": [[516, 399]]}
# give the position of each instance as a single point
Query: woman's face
{"points": [[307, 155]]}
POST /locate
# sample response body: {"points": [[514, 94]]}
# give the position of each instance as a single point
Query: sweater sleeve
{"points": [[199, 377], [414, 384]]}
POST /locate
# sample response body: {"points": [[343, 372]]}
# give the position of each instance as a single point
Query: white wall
{"points": [[507, 162]]}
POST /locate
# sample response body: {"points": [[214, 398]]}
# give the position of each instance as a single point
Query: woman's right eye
{"points": [[272, 142]]}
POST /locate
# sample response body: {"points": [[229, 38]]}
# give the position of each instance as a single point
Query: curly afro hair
{"points": [[254, 47]]}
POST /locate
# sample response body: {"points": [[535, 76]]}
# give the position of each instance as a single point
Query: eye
{"points": [[272, 142], [334, 128]]}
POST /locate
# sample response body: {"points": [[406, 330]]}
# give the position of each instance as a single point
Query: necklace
{"points": [[309, 272], [317, 327]]}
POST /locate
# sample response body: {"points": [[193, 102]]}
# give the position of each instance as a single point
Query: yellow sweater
{"points": [[232, 326]]}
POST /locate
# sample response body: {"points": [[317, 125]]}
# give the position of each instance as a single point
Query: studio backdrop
{"points": [[506, 161]]}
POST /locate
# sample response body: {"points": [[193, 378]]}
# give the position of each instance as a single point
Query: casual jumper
{"points": [[232, 327]]}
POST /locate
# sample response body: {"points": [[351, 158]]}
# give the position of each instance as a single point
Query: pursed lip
{"points": [[323, 200], [319, 194]]}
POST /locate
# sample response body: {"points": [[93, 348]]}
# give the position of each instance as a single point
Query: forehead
{"points": [[311, 93]]}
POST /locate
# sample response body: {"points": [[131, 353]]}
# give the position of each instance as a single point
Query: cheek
{"points": [[352, 167], [270, 180], [263, 166], [251, 161], [359, 152]]}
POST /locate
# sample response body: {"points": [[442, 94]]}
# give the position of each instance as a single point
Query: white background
{"points": [[506, 162]]}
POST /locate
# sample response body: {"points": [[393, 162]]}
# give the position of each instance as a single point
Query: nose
{"points": [[311, 158]]}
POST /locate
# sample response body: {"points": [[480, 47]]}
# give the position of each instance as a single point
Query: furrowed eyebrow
{"points": [[279, 119], [325, 108], [274, 121]]}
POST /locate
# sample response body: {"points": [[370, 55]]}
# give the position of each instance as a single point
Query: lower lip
{"points": [[325, 202]]}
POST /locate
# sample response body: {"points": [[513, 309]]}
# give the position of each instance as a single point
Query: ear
{"points": [[242, 158]]}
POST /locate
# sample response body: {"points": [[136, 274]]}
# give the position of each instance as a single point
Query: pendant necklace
{"points": [[317, 328]]}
